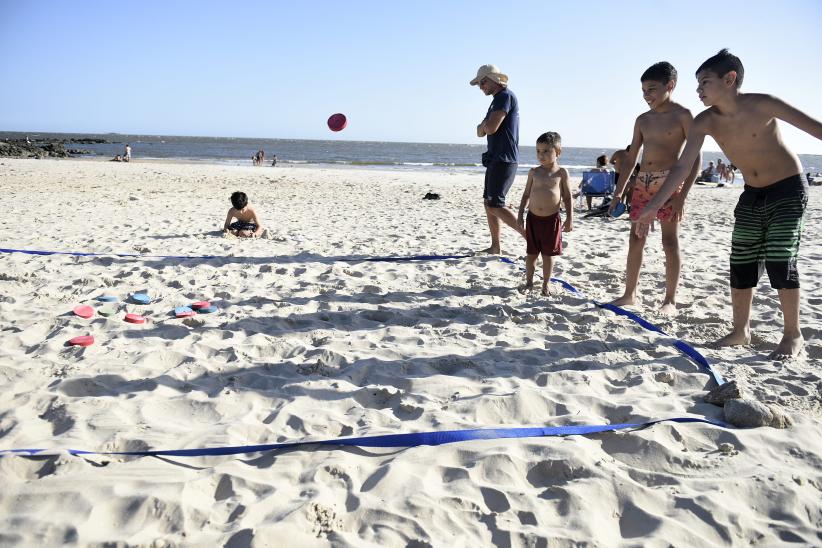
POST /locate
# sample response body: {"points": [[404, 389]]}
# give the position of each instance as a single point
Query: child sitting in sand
{"points": [[247, 224], [547, 184]]}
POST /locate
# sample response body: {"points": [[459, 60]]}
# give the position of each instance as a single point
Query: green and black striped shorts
{"points": [[767, 229]]}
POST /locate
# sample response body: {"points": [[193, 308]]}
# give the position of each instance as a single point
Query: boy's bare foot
{"points": [[624, 301], [668, 309], [788, 347], [524, 288], [734, 339], [546, 290]]}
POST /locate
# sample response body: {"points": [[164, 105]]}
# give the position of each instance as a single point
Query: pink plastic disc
{"points": [[134, 318], [82, 340], [84, 311]]}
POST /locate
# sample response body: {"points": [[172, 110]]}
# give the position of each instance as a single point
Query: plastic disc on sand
{"points": [[183, 312], [337, 122], [141, 298], [207, 310], [619, 209], [84, 311], [200, 304], [107, 298], [108, 310], [134, 318], [82, 340]]}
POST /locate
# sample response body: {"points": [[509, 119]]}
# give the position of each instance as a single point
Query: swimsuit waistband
{"points": [[794, 180], [536, 217], [663, 173]]}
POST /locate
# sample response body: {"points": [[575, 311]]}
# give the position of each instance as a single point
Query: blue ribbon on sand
{"points": [[386, 441]]}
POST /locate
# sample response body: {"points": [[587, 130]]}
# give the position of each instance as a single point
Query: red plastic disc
{"points": [[200, 304], [134, 318], [337, 122], [82, 340], [84, 311]]}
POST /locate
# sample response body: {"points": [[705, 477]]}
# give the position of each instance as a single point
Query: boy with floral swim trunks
{"points": [[769, 217], [660, 133]]}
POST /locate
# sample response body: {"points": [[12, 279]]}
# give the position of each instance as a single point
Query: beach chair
{"points": [[597, 184]]}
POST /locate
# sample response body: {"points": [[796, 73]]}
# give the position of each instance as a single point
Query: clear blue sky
{"points": [[399, 70]]}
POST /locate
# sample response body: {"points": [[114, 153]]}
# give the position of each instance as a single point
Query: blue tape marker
{"points": [[137, 255], [84, 254], [679, 344], [391, 440]]}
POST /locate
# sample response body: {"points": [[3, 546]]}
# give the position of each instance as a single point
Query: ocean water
{"points": [[391, 155]]}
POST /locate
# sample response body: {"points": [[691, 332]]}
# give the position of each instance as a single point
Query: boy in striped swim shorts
{"points": [[769, 217]]}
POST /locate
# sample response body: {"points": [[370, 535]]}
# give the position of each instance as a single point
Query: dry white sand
{"points": [[306, 347]]}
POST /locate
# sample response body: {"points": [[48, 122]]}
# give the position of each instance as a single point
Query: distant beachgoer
{"points": [[721, 169], [260, 157], [273, 160], [618, 159], [247, 224], [546, 187], [117, 158], [127, 154], [770, 215], [602, 165], [660, 134], [501, 127], [706, 174]]}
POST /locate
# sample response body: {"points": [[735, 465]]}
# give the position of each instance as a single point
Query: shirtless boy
{"points": [[247, 224], [660, 133], [547, 184], [770, 213], [618, 160]]}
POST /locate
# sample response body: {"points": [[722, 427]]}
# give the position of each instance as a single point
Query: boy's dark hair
{"points": [[239, 200], [552, 139], [662, 72], [602, 160], [722, 63]]}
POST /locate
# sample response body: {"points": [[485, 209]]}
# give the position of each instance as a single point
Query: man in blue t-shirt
{"points": [[501, 126]]}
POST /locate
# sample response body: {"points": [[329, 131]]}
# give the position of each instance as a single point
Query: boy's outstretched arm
{"points": [[567, 200], [678, 202], [227, 222], [683, 167], [795, 117], [256, 221], [526, 195], [630, 162]]}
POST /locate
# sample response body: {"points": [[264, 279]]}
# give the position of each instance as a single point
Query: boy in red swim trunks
{"points": [[661, 133], [547, 184]]}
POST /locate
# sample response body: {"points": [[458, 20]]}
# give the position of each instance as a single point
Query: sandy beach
{"points": [[309, 343]]}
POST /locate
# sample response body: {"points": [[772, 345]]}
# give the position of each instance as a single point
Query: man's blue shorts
{"points": [[499, 176]]}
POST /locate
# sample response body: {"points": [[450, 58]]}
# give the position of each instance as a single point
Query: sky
{"points": [[398, 70]]}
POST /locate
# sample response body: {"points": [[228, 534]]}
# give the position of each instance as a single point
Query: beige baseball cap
{"points": [[492, 72]]}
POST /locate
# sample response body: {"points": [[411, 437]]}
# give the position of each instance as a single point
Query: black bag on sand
{"points": [[431, 196]]}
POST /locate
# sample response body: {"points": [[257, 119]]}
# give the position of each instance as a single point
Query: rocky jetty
{"points": [[42, 148]]}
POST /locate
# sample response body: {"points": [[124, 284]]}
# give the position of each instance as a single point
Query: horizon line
{"points": [[32, 133]]}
